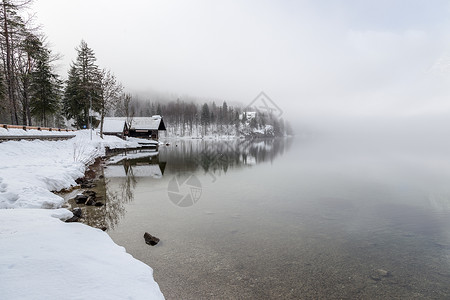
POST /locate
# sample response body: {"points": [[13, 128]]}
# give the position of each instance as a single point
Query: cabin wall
{"points": [[153, 134]]}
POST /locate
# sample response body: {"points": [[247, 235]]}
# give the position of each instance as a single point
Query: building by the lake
{"points": [[140, 127]]}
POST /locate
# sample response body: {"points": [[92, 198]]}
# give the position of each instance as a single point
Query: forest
{"points": [[33, 93]]}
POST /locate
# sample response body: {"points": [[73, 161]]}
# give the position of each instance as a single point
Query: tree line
{"points": [[29, 86], [191, 117], [32, 93]]}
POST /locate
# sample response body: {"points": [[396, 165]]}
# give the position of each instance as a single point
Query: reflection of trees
{"points": [[220, 156], [116, 199], [183, 156], [127, 187], [117, 195]]}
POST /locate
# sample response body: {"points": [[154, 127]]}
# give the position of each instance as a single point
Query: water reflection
{"points": [[210, 157], [220, 156], [328, 220]]}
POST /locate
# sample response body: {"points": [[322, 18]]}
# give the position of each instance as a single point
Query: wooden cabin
{"points": [[117, 127], [141, 127], [147, 127]]}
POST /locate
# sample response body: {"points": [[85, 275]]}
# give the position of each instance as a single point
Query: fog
{"points": [[351, 64]]}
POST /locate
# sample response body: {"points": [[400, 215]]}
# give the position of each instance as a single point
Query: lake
{"points": [[287, 218]]}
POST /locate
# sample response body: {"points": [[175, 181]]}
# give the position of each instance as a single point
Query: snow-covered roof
{"points": [[113, 125], [152, 123], [144, 123]]}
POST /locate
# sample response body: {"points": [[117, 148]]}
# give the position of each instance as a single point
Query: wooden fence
{"points": [[33, 127]]}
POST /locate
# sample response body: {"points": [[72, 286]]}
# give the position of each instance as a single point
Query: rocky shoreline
{"points": [[87, 199]]}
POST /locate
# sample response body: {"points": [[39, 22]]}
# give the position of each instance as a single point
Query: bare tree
{"points": [[110, 91], [13, 29], [126, 108]]}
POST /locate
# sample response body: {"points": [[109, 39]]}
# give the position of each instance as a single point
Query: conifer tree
{"points": [[83, 88], [45, 89], [205, 117]]}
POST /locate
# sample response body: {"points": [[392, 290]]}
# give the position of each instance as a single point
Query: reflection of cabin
{"points": [[141, 127], [111, 126], [142, 166]]}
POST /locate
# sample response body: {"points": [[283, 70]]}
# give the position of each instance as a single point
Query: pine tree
{"points": [[225, 113], [45, 89], [205, 117], [72, 98], [83, 89]]}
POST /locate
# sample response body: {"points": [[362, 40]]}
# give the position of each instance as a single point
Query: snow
{"points": [[45, 258], [42, 257], [16, 131], [30, 170], [115, 126], [142, 141], [118, 158], [144, 123]]}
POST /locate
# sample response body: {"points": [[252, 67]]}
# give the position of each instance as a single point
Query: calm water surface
{"points": [[287, 218]]}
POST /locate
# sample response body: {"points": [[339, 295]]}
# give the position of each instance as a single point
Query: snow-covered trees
{"points": [[189, 118]]}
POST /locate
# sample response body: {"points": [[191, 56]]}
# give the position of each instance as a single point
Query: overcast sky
{"points": [[357, 58]]}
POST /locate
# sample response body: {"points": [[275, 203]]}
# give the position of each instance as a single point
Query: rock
{"points": [[88, 185], [89, 201], [383, 273], [90, 193], [79, 199], [150, 239], [80, 180], [73, 219], [379, 274], [77, 212], [375, 277], [98, 203]]}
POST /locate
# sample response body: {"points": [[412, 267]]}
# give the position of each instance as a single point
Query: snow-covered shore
{"points": [[42, 257], [30, 170]]}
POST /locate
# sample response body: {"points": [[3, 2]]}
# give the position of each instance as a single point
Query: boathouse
{"points": [[115, 126], [140, 127], [147, 127]]}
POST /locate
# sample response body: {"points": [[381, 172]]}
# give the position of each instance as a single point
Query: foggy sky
{"points": [[313, 58]]}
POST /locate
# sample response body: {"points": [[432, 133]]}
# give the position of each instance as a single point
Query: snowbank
{"points": [[30, 170], [45, 258], [42, 257]]}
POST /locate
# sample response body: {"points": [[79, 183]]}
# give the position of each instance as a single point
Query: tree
{"points": [[125, 108], [159, 110], [83, 88], [225, 113], [11, 28], [45, 88], [110, 91], [205, 117], [72, 97]]}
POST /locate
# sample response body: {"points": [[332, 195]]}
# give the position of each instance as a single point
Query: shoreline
{"points": [[43, 253]]}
